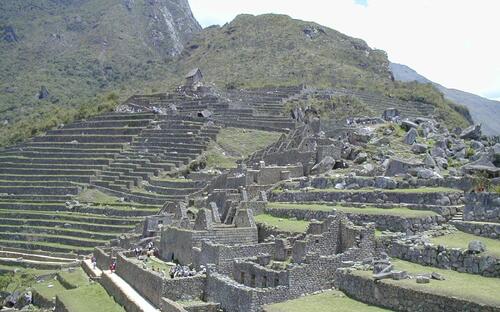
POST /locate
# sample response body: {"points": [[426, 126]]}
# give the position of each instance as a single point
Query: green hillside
{"points": [[255, 51], [92, 54], [80, 50]]}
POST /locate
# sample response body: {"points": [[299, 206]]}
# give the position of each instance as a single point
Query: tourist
{"points": [[112, 267], [94, 262]]}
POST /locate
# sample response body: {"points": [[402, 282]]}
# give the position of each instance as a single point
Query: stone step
{"points": [[49, 161], [41, 265], [85, 139], [70, 241], [68, 232], [49, 216], [95, 131], [37, 190], [40, 177]]}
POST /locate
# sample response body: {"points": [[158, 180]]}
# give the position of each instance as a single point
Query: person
{"points": [[112, 267], [94, 262]]}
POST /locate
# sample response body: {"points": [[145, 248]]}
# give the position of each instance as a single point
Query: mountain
{"points": [[272, 49], [67, 59], [482, 110], [62, 53]]}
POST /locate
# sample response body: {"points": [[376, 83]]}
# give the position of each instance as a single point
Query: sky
{"points": [[451, 42]]}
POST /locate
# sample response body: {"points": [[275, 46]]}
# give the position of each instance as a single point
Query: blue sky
{"points": [[452, 42]]}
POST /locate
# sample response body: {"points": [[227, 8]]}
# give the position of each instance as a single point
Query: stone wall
{"points": [[490, 230], [222, 256], [399, 298], [482, 207], [147, 283], [383, 222], [177, 243], [168, 305], [451, 198], [184, 289], [117, 294], [441, 257]]}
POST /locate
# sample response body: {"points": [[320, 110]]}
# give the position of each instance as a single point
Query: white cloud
{"points": [[452, 42]]}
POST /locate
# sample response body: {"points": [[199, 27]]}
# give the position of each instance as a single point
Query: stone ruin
{"points": [[209, 222]]}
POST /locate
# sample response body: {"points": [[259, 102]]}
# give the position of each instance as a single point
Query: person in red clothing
{"points": [[112, 267]]}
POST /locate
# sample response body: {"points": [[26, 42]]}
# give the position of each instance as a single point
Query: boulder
{"points": [[9, 35], [390, 114], [476, 246], [398, 167], [472, 133], [407, 125], [422, 279], [326, 164], [428, 174], [437, 151], [410, 136], [441, 162], [43, 93], [429, 161], [361, 158], [419, 148]]}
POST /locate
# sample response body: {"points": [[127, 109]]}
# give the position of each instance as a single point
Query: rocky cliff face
{"points": [[80, 48]]}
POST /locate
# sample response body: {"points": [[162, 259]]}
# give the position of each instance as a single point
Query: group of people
{"points": [[184, 271], [149, 251]]}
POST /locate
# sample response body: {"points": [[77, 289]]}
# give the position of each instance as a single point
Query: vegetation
{"points": [[283, 224], [88, 299], [87, 68], [327, 301], [336, 107], [460, 285], [461, 240], [233, 144]]}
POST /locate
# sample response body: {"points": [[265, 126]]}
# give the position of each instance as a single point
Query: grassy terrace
{"points": [[328, 301], [461, 240], [233, 144], [61, 215], [462, 285], [420, 190], [282, 224], [41, 245], [398, 211], [89, 298], [75, 279]]}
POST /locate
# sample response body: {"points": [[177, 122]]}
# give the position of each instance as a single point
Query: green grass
{"points": [[49, 288], [243, 142], [89, 298], [76, 279], [461, 285], [329, 301], [233, 144], [461, 240], [398, 211], [158, 265], [282, 224], [96, 196]]}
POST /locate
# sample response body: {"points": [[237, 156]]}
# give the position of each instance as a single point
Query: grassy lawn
{"points": [[461, 240], [89, 299], [287, 225], [156, 264], [461, 285], [398, 211], [49, 288], [244, 142], [96, 196], [233, 144], [329, 301], [76, 278]]}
